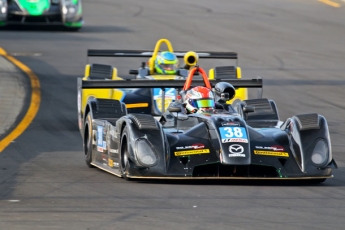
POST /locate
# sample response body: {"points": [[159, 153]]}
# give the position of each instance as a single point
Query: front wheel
{"points": [[88, 141], [124, 161]]}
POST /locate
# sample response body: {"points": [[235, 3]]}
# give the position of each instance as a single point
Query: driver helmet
{"points": [[199, 100], [166, 63]]}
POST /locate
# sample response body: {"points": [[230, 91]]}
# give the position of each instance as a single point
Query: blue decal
{"points": [[233, 134], [100, 136], [169, 97], [157, 92]]}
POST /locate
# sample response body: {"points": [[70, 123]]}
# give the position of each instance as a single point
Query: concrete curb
{"points": [[12, 94]]}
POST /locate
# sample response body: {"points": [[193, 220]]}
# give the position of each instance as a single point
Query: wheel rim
{"points": [[125, 161]]}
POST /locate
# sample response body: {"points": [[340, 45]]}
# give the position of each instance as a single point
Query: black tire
{"points": [[124, 161], [88, 140]]}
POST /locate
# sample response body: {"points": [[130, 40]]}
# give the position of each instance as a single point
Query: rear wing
{"points": [[162, 84], [106, 84], [190, 57], [149, 53]]}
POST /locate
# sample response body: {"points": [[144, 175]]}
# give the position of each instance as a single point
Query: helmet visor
{"points": [[205, 103], [168, 67]]}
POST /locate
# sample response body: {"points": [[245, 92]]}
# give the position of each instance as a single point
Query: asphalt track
{"points": [[297, 46]]}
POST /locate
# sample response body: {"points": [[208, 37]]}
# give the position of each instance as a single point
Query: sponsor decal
{"points": [[100, 138], [237, 155], [116, 164], [113, 150], [277, 148], [241, 140], [236, 151], [193, 146], [110, 162], [113, 134], [99, 149], [233, 134], [230, 123], [104, 144], [271, 153], [192, 152]]}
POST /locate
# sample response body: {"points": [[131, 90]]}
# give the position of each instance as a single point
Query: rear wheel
{"points": [[88, 140]]}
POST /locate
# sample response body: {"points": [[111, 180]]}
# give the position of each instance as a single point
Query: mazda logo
{"points": [[236, 149]]}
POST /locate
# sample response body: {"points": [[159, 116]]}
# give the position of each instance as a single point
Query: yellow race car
{"points": [[151, 101]]}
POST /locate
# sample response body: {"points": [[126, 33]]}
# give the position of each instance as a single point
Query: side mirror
{"points": [[225, 91], [133, 71], [248, 109], [224, 96], [174, 109]]}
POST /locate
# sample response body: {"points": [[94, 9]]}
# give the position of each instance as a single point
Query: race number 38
{"points": [[233, 132]]}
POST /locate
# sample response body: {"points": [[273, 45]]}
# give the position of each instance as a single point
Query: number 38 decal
{"points": [[233, 132]]}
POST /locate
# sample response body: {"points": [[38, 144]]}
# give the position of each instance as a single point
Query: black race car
{"points": [[246, 142]]}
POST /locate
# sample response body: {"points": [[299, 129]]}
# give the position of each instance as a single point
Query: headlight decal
{"points": [[71, 8], [145, 153], [320, 154]]}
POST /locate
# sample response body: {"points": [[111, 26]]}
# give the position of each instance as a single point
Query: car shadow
{"points": [[238, 182], [58, 28]]}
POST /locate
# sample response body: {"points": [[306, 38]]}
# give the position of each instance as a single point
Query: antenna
{"points": [[177, 122], [163, 99]]}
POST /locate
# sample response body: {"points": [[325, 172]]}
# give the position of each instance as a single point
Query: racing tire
{"points": [[88, 140], [124, 161]]}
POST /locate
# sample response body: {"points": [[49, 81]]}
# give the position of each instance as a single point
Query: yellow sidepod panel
{"points": [[100, 93], [87, 70]]}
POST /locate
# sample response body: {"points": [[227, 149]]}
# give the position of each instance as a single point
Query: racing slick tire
{"points": [[88, 140], [124, 161]]}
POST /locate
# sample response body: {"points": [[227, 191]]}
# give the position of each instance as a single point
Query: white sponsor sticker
{"points": [[241, 140], [113, 150], [237, 155], [113, 133]]}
